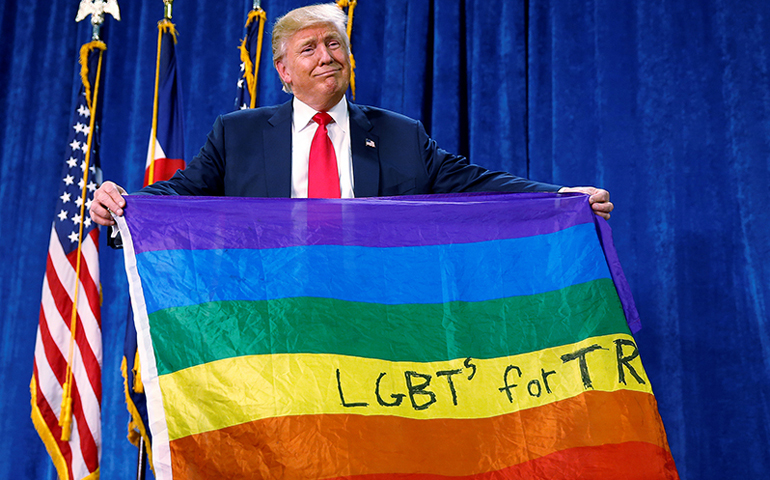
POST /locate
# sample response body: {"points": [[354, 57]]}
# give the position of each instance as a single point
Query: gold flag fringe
{"points": [[251, 69], [59, 462], [351, 5], [137, 371], [166, 26], [85, 51], [136, 426]]}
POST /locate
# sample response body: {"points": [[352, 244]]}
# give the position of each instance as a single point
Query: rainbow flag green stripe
{"points": [[413, 332]]}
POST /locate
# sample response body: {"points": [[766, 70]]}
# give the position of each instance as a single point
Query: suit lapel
{"points": [[366, 160], [277, 151], [363, 147]]}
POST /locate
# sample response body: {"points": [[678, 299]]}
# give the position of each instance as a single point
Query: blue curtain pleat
{"points": [[666, 104], [496, 66], [448, 115]]}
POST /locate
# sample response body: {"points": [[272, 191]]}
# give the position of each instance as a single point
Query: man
{"points": [[319, 145]]}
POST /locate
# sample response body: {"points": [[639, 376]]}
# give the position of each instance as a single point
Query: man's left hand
{"points": [[599, 199]]}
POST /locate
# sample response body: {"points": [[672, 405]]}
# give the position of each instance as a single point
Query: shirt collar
{"points": [[303, 114]]}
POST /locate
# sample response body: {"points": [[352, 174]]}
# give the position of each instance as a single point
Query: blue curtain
{"points": [[664, 103]]}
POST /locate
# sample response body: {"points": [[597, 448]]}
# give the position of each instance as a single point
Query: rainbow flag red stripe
{"points": [[469, 336]]}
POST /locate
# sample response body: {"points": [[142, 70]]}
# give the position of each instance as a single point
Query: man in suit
{"points": [[318, 144]]}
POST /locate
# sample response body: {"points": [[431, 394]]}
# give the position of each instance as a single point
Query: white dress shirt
{"points": [[302, 131]]}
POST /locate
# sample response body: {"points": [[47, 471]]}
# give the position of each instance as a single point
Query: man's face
{"points": [[316, 66]]}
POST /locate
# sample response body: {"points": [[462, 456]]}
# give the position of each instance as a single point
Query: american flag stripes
{"points": [[66, 384]]}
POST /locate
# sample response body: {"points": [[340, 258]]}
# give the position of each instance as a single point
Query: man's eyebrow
{"points": [[308, 41], [314, 40], [332, 36]]}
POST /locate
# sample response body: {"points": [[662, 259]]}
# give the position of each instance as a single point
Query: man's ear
{"points": [[283, 72]]}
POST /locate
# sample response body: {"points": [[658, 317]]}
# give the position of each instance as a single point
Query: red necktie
{"points": [[323, 181]]}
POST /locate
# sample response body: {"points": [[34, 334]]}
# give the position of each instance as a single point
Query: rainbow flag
{"points": [[465, 336]]}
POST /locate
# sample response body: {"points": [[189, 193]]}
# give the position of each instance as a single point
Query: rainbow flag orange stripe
{"points": [[463, 336], [289, 447]]}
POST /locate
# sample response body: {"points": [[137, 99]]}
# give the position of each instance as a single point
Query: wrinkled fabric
{"points": [[277, 325]]}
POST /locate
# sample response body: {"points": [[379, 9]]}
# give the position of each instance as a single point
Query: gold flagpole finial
{"points": [[169, 5], [97, 9]]}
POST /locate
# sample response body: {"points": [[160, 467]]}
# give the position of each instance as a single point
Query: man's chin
{"points": [[321, 98], [334, 89]]}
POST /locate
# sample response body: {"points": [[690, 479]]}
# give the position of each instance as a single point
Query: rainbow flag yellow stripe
{"points": [[323, 384]]}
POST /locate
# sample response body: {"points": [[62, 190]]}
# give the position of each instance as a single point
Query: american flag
{"points": [[72, 279]]}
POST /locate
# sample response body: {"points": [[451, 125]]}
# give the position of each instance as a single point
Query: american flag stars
{"points": [[81, 128], [241, 86], [70, 201], [83, 111]]}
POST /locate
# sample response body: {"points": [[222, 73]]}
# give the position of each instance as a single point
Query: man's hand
{"points": [[107, 198], [599, 199]]}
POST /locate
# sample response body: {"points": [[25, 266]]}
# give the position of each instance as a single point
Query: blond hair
{"points": [[300, 18]]}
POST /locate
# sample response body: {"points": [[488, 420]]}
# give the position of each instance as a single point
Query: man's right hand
{"points": [[107, 198]]}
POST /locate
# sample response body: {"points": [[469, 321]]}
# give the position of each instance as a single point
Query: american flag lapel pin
{"points": [[370, 143]]}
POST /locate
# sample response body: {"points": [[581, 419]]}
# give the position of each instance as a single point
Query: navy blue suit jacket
{"points": [[248, 154]]}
